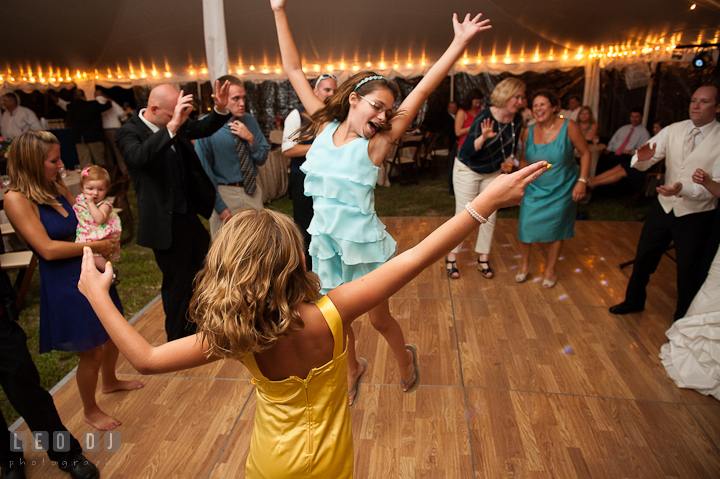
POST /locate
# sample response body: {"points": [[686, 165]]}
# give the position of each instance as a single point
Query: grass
{"points": [[141, 278]]}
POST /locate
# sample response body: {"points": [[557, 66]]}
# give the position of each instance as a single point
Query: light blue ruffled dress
{"points": [[348, 240]]}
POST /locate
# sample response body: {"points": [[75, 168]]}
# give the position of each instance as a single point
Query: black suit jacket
{"points": [[150, 169]]}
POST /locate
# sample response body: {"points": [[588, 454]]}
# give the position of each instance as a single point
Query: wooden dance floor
{"points": [[517, 381]]}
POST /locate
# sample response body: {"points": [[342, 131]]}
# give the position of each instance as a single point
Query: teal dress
{"points": [[347, 238], [547, 211]]}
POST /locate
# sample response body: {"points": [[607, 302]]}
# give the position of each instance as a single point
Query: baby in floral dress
{"points": [[96, 218]]}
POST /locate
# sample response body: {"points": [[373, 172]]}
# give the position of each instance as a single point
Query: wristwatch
{"points": [[583, 180]]}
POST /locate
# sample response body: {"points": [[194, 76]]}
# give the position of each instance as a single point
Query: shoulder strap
{"points": [[332, 317], [249, 362]]}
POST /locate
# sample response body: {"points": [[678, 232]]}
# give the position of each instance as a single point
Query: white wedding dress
{"points": [[692, 357]]}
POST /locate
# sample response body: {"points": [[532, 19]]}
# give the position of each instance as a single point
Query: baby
{"points": [[96, 218]]}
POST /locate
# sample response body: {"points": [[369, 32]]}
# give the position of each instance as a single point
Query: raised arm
{"points": [[464, 32], [291, 59], [355, 298], [176, 355]]}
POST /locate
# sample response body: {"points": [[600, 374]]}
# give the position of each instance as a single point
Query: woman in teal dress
{"points": [[547, 212]]}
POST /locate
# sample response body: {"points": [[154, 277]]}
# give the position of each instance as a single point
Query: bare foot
{"points": [[407, 372], [118, 385], [101, 421], [352, 382]]}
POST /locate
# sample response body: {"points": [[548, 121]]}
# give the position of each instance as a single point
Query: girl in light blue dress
{"points": [[354, 131]]}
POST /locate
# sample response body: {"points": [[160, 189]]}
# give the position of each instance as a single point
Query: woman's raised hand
{"points": [[487, 126], [508, 190], [466, 30], [92, 281], [277, 4]]}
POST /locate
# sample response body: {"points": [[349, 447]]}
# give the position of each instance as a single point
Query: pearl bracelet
{"points": [[475, 214]]}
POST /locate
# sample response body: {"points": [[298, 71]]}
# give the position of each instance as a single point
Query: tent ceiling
{"points": [[86, 35]]}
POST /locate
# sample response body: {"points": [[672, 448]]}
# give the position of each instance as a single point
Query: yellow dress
{"points": [[302, 426]]}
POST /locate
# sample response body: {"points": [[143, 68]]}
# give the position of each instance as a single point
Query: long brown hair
{"points": [[337, 106], [26, 167], [254, 277]]}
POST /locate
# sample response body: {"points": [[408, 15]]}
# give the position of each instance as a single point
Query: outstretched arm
{"points": [[291, 59], [180, 354], [355, 298], [464, 32]]}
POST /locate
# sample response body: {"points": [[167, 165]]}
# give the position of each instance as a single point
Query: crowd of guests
{"points": [[265, 290]]}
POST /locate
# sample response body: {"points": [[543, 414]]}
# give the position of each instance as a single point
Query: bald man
{"points": [[172, 189]]}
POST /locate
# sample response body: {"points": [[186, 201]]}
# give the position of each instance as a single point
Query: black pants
{"points": [[689, 233], [21, 382], [302, 211], [179, 265]]}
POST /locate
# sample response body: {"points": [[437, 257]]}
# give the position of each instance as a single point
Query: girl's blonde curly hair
{"points": [[254, 277]]}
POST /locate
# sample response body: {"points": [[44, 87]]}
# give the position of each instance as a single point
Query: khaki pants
{"points": [[112, 154], [236, 199], [91, 153], [467, 185]]}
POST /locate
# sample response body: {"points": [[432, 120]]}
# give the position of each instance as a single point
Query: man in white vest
{"points": [[684, 211]]}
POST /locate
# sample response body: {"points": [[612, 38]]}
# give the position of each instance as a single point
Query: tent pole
{"points": [[648, 93], [216, 49]]}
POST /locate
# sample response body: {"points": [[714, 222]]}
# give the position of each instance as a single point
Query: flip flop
{"points": [[416, 373], [356, 387]]}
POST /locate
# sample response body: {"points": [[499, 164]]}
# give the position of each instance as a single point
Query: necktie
{"points": [[689, 144], [246, 166], [620, 150]]}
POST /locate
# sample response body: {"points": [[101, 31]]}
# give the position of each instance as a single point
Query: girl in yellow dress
{"points": [[255, 302]]}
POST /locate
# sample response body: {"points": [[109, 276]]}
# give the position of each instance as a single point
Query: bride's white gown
{"points": [[692, 357]]}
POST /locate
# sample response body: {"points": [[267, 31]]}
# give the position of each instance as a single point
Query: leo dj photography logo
{"points": [[60, 441]]}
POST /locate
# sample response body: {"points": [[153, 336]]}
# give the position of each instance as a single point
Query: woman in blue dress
{"points": [[40, 209], [354, 130], [547, 212]]}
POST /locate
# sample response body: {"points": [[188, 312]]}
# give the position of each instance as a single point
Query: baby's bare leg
{"points": [[100, 263]]}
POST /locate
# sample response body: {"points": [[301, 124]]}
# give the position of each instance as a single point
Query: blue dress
{"points": [[547, 211], [67, 322], [348, 240]]}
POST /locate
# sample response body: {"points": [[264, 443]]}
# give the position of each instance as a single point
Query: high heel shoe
{"points": [[521, 277], [547, 284]]}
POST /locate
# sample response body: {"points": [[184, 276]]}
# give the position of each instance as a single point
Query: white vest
{"points": [[679, 169]]}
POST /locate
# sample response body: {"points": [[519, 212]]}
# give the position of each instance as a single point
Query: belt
{"points": [[239, 184]]}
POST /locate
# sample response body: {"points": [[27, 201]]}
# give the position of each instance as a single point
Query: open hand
{"points": [[466, 30], [669, 190], [487, 126], [183, 108], [508, 190], [221, 96], [92, 282], [645, 152]]}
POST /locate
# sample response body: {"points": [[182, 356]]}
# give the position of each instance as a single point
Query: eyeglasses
{"points": [[377, 107], [325, 76]]}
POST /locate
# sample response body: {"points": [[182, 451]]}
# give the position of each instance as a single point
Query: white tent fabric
{"points": [[216, 50]]}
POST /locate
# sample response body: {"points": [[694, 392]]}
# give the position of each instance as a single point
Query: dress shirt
{"points": [[689, 189], [570, 114], [638, 138], [18, 121], [219, 157], [292, 124], [111, 119]]}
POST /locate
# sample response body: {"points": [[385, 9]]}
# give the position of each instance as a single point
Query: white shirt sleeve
{"points": [[694, 191], [292, 124], [660, 142]]}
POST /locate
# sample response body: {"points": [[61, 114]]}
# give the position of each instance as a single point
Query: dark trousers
{"points": [[302, 211], [179, 265], [689, 234], [21, 382], [452, 153]]}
